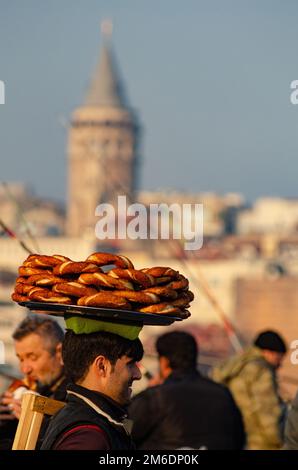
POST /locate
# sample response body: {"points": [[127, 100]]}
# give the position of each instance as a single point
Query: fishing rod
{"points": [[12, 234], [21, 214], [202, 284]]}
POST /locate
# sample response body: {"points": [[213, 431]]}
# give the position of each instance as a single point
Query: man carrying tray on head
{"points": [[100, 358], [99, 352]]}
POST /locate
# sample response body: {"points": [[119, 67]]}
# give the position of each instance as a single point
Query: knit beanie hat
{"points": [[270, 340]]}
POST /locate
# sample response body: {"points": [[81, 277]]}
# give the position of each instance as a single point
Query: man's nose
{"points": [[137, 373], [26, 368]]}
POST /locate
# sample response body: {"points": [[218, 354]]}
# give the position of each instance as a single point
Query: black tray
{"points": [[127, 317]]}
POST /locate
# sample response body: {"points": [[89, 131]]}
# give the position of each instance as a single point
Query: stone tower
{"points": [[103, 148]]}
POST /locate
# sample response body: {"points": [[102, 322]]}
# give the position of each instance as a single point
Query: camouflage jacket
{"points": [[252, 382]]}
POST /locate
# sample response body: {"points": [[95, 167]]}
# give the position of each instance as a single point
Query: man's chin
{"points": [[125, 401], [43, 382]]}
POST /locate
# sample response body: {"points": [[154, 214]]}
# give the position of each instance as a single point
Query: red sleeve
{"points": [[83, 437]]}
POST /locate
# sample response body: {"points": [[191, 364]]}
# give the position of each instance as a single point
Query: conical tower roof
{"points": [[106, 89]]}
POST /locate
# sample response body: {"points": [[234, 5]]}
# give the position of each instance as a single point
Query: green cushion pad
{"points": [[80, 325]]}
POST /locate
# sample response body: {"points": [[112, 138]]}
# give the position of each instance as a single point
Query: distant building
{"points": [[22, 211], [103, 149], [214, 205], [270, 215]]}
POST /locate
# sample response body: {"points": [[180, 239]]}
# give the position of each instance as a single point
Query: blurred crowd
{"points": [[238, 406]]}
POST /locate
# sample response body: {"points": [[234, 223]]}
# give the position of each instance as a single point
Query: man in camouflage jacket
{"points": [[251, 377]]}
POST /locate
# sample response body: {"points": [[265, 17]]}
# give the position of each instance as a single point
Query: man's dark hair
{"points": [[180, 348], [43, 326], [271, 340], [79, 351]]}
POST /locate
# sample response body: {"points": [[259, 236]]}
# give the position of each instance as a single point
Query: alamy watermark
{"points": [[155, 222], [294, 354], [2, 92], [294, 94]]}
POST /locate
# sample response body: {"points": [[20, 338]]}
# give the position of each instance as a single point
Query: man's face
{"points": [[36, 361], [120, 380], [274, 358]]}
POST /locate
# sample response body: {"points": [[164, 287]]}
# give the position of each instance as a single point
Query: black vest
{"points": [[76, 412]]}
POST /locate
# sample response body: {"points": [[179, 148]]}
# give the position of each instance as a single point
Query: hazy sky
{"points": [[210, 79]]}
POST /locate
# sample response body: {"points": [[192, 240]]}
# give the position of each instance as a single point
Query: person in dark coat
{"points": [[38, 343], [102, 366], [187, 410]]}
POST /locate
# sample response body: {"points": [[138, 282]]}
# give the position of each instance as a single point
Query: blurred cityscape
{"points": [[244, 277]]}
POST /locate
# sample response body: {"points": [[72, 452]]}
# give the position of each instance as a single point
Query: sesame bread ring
{"points": [[40, 290], [75, 289], [190, 295], [182, 301], [45, 295], [162, 308], [159, 271], [37, 289], [44, 280], [61, 258], [139, 297], [142, 279], [184, 314], [27, 271], [100, 279], [22, 280], [38, 261], [31, 258], [162, 280], [180, 284], [105, 299], [18, 297], [102, 259], [22, 289], [74, 267], [163, 291]]}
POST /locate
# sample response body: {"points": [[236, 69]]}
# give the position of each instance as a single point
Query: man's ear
{"points": [[165, 368], [102, 365], [59, 352]]}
